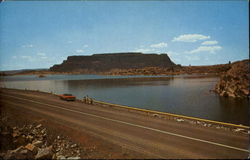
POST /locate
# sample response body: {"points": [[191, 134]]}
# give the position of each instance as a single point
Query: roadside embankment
{"points": [[33, 142]]}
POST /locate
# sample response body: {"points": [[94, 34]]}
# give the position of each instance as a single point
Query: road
{"points": [[153, 136]]}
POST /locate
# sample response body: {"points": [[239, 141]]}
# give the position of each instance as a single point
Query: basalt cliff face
{"points": [[107, 62], [235, 82]]}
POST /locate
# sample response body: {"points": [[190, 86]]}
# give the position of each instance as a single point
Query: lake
{"points": [[183, 94]]}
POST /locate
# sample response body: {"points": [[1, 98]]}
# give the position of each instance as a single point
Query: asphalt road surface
{"points": [[155, 137]]}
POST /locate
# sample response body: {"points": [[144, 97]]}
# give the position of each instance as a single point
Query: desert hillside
{"points": [[235, 82]]}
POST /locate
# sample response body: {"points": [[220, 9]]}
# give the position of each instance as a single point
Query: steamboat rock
{"points": [[107, 62]]}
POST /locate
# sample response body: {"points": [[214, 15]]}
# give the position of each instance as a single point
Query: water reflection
{"points": [[110, 83], [234, 110]]}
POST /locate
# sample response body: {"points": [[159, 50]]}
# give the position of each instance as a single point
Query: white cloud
{"points": [[41, 54], [69, 42], [159, 45], [28, 46], [153, 48], [172, 53], [85, 46], [211, 49], [144, 50], [59, 60], [192, 58], [44, 57], [79, 51], [27, 58], [209, 43], [190, 38], [174, 56]]}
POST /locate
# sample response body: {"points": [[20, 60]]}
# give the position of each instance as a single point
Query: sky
{"points": [[41, 34]]}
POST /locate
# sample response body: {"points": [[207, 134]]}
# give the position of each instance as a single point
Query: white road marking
{"points": [[136, 125]]}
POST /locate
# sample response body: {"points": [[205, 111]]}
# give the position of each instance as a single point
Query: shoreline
{"points": [[105, 74], [138, 76]]}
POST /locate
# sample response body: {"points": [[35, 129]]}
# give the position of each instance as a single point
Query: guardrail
{"points": [[170, 114]]}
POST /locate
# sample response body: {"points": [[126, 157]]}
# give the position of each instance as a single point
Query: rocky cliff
{"points": [[107, 62], [235, 82]]}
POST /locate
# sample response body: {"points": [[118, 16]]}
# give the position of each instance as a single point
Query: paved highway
{"points": [[153, 136]]}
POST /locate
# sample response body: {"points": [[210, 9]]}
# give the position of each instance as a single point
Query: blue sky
{"points": [[40, 34]]}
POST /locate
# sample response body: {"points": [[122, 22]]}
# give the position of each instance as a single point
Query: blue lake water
{"points": [[183, 94]]}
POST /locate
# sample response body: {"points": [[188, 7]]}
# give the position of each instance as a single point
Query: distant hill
{"points": [[107, 62], [13, 72]]}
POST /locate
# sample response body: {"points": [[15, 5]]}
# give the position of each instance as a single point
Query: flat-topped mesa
{"points": [[109, 61]]}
